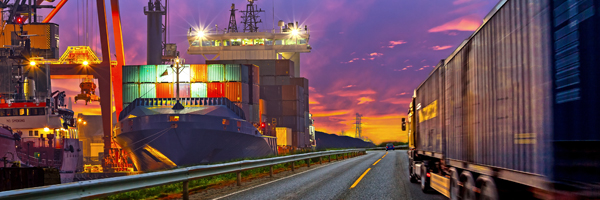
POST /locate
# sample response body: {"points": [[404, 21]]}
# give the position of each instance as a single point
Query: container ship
{"points": [[206, 127]]}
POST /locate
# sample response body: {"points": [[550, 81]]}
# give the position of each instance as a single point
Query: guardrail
{"points": [[104, 187]]}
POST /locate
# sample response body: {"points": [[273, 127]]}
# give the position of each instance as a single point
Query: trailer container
{"points": [[514, 104], [284, 136]]}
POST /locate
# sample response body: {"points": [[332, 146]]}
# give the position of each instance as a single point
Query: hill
{"points": [[330, 141]]}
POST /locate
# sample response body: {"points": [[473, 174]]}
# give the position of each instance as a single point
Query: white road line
{"points": [[278, 179]]}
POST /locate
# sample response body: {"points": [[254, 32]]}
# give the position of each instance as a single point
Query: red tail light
{"points": [[428, 175]]}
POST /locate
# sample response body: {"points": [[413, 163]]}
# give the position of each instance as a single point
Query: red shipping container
{"points": [[184, 90], [164, 90], [215, 90], [198, 73]]}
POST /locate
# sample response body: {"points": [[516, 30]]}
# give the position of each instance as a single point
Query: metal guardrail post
{"points": [[186, 194], [239, 178], [292, 166], [308, 162], [320, 160], [271, 171]]}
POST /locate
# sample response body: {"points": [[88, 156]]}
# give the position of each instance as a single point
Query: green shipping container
{"points": [[233, 73], [148, 73], [199, 90], [147, 90], [131, 74], [131, 91], [216, 73], [164, 74]]}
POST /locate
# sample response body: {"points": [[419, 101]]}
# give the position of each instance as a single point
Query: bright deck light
{"points": [[295, 32], [46, 129], [32, 63], [200, 34], [86, 63]]}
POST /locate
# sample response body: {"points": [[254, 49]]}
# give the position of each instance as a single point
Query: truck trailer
{"points": [[512, 112]]}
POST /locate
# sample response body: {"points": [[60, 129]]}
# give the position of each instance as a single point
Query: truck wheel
{"points": [[411, 174], [454, 188], [468, 192], [488, 188], [424, 179]]}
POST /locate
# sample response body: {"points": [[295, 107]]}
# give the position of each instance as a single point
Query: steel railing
{"points": [[104, 187], [148, 102]]}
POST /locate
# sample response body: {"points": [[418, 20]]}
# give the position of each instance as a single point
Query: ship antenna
{"points": [[251, 14], [232, 23], [176, 66]]}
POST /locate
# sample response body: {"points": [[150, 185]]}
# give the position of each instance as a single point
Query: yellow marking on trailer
{"points": [[359, 178], [524, 138], [441, 184]]}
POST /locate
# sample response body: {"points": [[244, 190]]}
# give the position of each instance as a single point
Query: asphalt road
{"points": [[388, 179]]}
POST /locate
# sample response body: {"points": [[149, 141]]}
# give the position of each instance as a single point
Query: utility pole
{"points": [[358, 131]]}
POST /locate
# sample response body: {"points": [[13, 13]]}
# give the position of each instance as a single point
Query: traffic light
{"points": [[19, 20]]}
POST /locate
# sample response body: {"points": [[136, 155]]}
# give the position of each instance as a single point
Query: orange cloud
{"points": [[312, 101], [437, 48], [364, 100], [375, 54], [393, 44], [353, 93], [466, 23], [398, 101], [330, 113]]}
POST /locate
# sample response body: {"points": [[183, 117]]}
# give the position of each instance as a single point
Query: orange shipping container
{"points": [[164, 90], [198, 73], [233, 91]]}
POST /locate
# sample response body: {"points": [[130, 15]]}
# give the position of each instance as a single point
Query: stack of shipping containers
{"points": [[238, 83], [283, 98]]}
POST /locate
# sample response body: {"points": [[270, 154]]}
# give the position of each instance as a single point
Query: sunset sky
{"points": [[368, 56]]}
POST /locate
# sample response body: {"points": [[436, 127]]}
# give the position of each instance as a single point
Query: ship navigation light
{"points": [[19, 20]]}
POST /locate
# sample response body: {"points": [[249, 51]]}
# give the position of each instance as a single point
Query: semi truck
{"points": [[512, 113]]}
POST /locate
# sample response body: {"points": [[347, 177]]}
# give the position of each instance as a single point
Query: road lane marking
{"points": [[360, 178], [385, 155], [376, 162], [282, 178]]}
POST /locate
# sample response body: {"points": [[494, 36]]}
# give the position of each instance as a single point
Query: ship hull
{"points": [[190, 146]]}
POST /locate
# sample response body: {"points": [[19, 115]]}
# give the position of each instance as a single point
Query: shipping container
{"points": [[302, 82], [429, 116], [246, 73], [282, 80], [296, 123], [267, 80], [148, 74], [216, 73], [254, 94], [148, 90], [131, 74], [255, 112], [199, 90], [292, 108], [271, 92], [185, 74], [284, 136], [274, 108], [233, 73], [131, 91], [298, 139], [292, 92], [234, 91], [165, 90], [267, 70], [184, 90], [165, 74], [198, 73], [215, 90], [262, 107], [254, 74], [284, 68]]}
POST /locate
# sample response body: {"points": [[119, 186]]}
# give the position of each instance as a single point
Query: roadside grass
{"points": [[202, 183]]}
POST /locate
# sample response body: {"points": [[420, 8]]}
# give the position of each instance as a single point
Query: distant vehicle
{"points": [[389, 146]]}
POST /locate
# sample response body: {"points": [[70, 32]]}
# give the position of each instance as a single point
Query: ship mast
{"points": [[251, 15]]}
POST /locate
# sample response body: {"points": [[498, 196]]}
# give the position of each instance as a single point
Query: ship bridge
{"points": [[286, 44]]}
